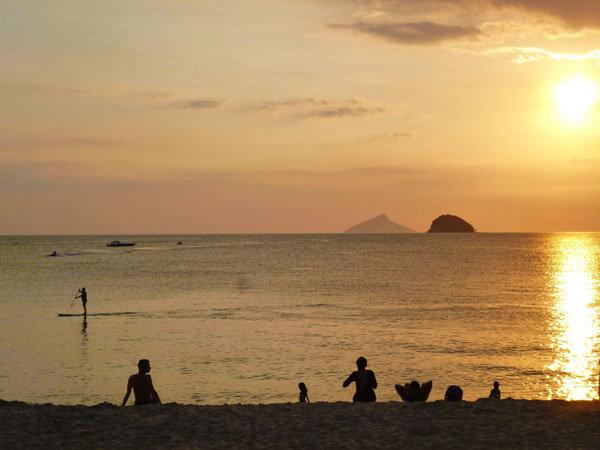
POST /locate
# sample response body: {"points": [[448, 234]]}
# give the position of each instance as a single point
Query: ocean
{"points": [[244, 318]]}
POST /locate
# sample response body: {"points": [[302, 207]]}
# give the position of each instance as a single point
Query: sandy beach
{"points": [[480, 424]]}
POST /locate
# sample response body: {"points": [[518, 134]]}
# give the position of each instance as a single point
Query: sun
{"points": [[575, 98]]}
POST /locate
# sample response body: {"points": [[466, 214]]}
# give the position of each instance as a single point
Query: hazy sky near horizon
{"points": [[231, 116]]}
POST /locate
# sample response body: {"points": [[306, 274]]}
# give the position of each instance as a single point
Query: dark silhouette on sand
{"points": [[379, 224], [495, 393], [414, 392], [141, 383], [453, 394], [365, 382], [450, 224], [83, 296], [303, 393]]}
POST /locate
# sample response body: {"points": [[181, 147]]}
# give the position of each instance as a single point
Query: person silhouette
{"points": [[141, 383], [365, 382], [414, 392], [303, 393], [83, 296], [495, 393]]}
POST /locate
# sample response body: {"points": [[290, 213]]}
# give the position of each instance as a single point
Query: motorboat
{"points": [[120, 244]]}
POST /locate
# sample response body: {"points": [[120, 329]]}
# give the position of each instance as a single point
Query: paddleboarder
{"points": [[83, 296]]}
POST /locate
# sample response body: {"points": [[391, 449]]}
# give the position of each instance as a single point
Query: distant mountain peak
{"points": [[379, 224]]}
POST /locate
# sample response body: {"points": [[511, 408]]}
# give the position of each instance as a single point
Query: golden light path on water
{"points": [[575, 326]]}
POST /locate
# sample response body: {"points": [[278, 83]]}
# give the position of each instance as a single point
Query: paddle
{"points": [[75, 298]]}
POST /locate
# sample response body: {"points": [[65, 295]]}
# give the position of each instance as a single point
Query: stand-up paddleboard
{"points": [[97, 314]]}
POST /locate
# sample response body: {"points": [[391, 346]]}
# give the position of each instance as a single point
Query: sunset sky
{"points": [[282, 116]]}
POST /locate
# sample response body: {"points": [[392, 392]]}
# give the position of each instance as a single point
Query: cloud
{"points": [[414, 33], [530, 54], [274, 105], [154, 94], [391, 136], [574, 14], [343, 111], [315, 108], [201, 104]]}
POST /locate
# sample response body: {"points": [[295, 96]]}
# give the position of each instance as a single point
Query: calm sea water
{"points": [[244, 318]]}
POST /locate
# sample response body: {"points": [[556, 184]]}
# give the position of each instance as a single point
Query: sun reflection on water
{"points": [[574, 330]]}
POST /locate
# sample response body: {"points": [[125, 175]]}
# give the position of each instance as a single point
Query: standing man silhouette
{"points": [[83, 296]]}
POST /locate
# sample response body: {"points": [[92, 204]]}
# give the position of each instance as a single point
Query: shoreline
{"points": [[482, 423]]}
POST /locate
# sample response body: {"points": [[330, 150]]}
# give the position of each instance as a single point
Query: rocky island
{"points": [[448, 223], [379, 224]]}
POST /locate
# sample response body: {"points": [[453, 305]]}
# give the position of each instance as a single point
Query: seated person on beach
{"points": [[453, 394], [495, 393], [365, 382], [414, 392], [141, 383], [303, 393]]}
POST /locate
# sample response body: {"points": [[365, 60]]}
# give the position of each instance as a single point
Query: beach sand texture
{"points": [[530, 424]]}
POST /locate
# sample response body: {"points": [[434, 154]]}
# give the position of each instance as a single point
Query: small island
{"points": [[379, 224], [448, 223]]}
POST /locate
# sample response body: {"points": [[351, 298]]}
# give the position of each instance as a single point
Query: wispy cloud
{"points": [[201, 104], [343, 111], [314, 108], [275, 105], [531, 54], [414, 33], [391, 136], [154, 94], [574, 14]]}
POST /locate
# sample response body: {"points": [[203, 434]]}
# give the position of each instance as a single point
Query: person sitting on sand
{"points": [[141, 383], [303, 393], [495, 393], [365, 382], [414, 392], [83, 296]]}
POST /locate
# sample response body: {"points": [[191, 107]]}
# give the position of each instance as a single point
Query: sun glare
{"points": [[575, 98]]}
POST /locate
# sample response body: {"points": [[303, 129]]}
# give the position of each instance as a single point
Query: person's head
{"points": [[144, 366], [302, 387], [414, 385], [361, 362], [496, 385], [82, 289]]}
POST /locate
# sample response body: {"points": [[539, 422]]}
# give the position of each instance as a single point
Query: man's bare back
{"points": [[141, 383]]}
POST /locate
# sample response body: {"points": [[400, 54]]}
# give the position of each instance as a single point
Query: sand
{"points": [[507, 423]]}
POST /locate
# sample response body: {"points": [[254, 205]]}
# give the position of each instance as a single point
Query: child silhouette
{"points": [[303, 393], [495, 393]]}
